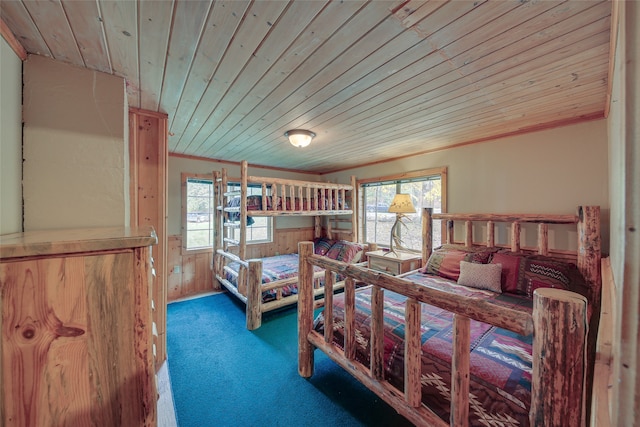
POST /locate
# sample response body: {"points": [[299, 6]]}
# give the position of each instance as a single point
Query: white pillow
{"points": [[480, 276]]}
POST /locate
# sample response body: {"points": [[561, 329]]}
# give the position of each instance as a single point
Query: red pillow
{"points": [[445, 260], [512, 270], [523, 274], [445, 263]]}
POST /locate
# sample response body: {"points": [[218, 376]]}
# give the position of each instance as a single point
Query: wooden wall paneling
{"points": [[92, 49], [174, 268], [59, 37], [188, 274], [148, 162], [16, 16], [121, 31], [203, 274], [155, 29]]}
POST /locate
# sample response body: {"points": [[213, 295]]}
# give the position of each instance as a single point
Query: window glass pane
{"points": [[199, 211], [424, 192], [261, 229]]}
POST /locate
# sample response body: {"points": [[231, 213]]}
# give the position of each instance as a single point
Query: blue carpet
{"points": [[224, 375]]}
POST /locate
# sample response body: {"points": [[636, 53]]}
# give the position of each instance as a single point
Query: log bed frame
{"points": [[314, 197], [557, 399]]}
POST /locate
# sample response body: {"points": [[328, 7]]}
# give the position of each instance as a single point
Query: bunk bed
{"points": [[270, 283], [444, 354]]}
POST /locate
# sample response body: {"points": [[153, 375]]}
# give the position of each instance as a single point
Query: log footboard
{"points": [[559, 323]]}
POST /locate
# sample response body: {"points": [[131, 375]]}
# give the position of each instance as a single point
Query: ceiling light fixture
{"points": [[299, 137]]}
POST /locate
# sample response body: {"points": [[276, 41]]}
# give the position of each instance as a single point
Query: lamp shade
{"points": [[299, 137], [402, 204]]}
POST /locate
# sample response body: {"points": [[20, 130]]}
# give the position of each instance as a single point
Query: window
{"points": [[198, 211], [260, 230], [427, 188]]}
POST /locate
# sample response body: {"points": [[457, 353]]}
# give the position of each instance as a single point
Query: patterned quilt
{"points": [[273, 268], [500, 383]]}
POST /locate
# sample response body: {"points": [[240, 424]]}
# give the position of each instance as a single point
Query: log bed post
{"points": [[254, 294], [305, 310], [354, 212], [242, 250], [460, 371], [427, 232], [558, 381], [589, 263]]}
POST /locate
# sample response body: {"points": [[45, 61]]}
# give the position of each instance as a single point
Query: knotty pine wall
{"points": [[190, 274]]}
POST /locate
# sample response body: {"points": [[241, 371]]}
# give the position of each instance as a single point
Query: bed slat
{"points": [[412, 354], [515, 236], [543, 239], [349, 322], [377, 328], [329, 280], [491, 234], [460, 371]]}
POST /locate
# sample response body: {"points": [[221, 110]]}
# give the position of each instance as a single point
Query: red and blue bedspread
{"points": [[500, 363], [273, 268]]}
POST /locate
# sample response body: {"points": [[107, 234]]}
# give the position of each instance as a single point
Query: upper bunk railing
{"points": [[281, 196]]}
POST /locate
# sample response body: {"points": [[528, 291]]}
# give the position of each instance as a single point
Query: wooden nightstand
{"points": [[393, 263]]}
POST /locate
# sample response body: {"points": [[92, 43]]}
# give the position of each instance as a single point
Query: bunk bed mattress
{"points": [[500, 363], [274, 268]]}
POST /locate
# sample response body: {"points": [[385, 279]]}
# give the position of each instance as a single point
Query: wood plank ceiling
{"points": [[374, 80]]}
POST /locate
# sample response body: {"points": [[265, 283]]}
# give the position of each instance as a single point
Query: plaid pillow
{"points": [[445, 260], [524, 274], [345, 251], [322, 245]]}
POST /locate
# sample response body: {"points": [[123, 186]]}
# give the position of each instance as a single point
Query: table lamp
{"points": [[401, 206]]}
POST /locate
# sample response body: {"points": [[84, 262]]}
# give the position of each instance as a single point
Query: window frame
{"points": [[185, 176], [270, 220], [405, 176]]}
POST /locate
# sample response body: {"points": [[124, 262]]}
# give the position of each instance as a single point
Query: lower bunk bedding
{"points": [[500, 363], [279, 268], [275, 268]]}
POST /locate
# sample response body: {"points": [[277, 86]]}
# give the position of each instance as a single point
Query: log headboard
{"points": [[587, 257]]}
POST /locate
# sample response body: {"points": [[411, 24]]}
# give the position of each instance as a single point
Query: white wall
{"points": [[75, 147], [551, 171], [10, 140], [178, 165]]}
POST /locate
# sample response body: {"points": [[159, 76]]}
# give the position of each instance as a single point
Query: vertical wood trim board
{"points": [[148, 163]]}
